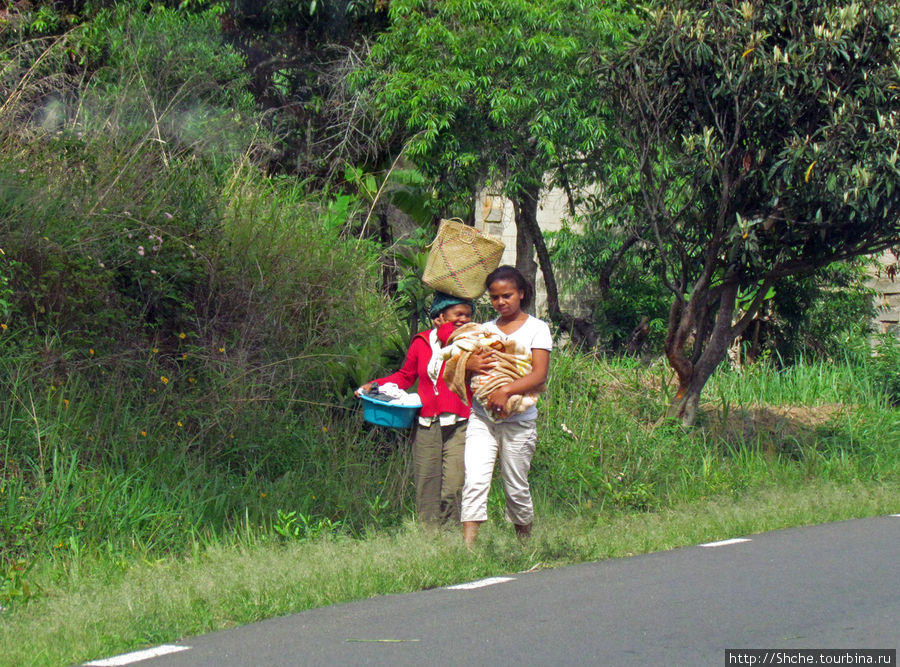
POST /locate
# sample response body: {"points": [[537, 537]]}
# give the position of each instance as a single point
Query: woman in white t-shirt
{"points": [[511, 439]]}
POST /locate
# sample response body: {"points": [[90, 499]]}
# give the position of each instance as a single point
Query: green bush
{"points": [[884, 366], [829, 315], [180, 330], [633, 289]]}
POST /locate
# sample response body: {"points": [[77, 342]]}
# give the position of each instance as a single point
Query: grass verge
{"points": [[99, 610]]}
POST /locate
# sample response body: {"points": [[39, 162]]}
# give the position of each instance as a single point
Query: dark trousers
{"points": [[438, 471]]}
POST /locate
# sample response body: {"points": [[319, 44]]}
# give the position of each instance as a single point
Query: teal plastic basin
{"points": [[388, 414]]}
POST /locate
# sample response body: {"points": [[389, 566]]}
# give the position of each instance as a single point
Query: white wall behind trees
{"points": [[495, 218], [886, 284]]}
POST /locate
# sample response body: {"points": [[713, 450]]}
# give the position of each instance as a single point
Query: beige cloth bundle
{"points": [[513, 362]]}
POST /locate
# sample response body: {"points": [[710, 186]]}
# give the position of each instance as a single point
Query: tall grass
{"points": [[178, 342], [604, 439], [807, 382], [87, 472]]}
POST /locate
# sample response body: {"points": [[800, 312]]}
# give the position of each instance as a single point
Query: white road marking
{"points": [[481, 583], [137, 656], [896, 515], [725, 543]]}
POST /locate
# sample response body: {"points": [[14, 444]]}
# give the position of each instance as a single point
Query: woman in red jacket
{"points": [[439, 443]]}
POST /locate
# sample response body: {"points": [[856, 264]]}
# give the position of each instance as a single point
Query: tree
{"points": [[764, 139], [494, 92], [298, 56]]}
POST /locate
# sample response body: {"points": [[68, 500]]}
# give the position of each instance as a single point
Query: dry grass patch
{"points": [[775, 429]]}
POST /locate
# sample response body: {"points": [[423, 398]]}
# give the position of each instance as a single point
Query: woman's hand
{"points": [[364, 389], [480, 361], [496, 402]]}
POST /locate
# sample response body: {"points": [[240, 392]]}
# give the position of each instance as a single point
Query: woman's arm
{"points": [[408, 374], [540, 365]]}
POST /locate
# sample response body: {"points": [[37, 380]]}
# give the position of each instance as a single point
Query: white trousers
{"points": [[514, 443]]}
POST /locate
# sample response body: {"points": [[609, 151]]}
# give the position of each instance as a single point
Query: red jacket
{"points": [[435, 399]]}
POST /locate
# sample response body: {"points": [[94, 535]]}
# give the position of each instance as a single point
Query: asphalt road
{"points": [[831, 586]]}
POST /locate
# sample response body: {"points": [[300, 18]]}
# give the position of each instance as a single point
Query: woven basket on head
{"points": [[460, 259]]}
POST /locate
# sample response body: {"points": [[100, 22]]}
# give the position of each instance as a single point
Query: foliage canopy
{"points": [[498, 93], [764, 137]]}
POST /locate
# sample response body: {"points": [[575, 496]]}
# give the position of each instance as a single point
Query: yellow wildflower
{"points": [[180, 424], [3, 326], [143, 434], [164, 379], [182, 335]]}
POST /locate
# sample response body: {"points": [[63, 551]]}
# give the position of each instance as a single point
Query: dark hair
{"points": [[512, 274]]}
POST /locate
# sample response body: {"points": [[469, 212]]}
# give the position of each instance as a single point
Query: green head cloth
{"points": [[443, 300]]}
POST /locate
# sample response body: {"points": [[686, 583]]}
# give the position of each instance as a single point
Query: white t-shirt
{"points": [[533, 334]]}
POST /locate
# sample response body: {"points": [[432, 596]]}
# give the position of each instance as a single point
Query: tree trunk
{"points": [[526, 218], [638, 337], [528, 232], [687, 400], [388, 272], [753, 352], [524, 245], [678, 329]]}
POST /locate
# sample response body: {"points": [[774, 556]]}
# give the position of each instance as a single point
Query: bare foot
{"points": [[470, 532], [523, 531]]}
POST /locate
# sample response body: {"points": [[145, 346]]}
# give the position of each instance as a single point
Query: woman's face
{"points": [[459, 314], [506, 297]]}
